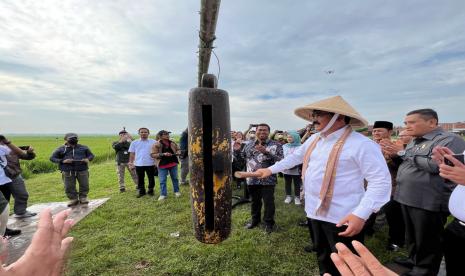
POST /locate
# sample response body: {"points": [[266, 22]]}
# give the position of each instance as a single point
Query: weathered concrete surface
{"points": [[17, 245]]}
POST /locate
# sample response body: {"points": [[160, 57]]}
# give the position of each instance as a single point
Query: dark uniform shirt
{"points": [[256, 160], [418, 182], [122, 151], [76, 153]]}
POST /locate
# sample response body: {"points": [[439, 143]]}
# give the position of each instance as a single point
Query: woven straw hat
{"points": [[335, 105]]}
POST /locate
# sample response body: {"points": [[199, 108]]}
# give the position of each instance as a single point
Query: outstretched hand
{"points": [[263, 173], [48, 250], [350, 264]]}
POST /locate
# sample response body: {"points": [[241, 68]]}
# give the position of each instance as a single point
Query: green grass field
{"points": [[45, 145], [130, 236]]}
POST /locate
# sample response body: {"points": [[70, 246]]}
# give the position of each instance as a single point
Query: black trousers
{"points": [[454, 244], [312, 237], [395, 222], [288, 179], [424, 235], [141, 171], [265, 193], [326, 236], [6, 190]]}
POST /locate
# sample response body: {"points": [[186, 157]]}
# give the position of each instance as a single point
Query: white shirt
{"points": [[4, 151], [360, 159], [456, 202], [142, 150]]}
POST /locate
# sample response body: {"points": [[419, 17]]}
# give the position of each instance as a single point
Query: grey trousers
{"points": [[184, 169], [120, 168], [69, 180], [20, 194]]}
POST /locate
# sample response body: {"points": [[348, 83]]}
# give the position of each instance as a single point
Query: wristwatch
{"points": [[401, 153]]}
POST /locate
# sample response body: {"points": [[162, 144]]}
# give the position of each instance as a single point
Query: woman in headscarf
{"points": [[293, 174]]}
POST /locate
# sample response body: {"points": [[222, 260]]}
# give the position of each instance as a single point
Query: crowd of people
{"points": [[352, 184], [347, 183]]}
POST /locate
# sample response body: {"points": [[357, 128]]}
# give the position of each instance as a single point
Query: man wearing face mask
{"points": [[73, 161], [336, 160]]}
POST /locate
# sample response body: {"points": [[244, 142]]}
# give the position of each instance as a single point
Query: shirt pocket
{"points": [[423, 149]]}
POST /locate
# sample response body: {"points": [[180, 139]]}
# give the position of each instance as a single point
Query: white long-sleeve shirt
{"points": [[360, 159]]}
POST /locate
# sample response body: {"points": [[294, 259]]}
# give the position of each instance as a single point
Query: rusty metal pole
{"points": [[210, 161], [209, 142]]}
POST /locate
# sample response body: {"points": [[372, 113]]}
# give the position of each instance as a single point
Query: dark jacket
{"points": [[77, 153], [13, 162], [419, 184], [183, 144], [122, 151]]}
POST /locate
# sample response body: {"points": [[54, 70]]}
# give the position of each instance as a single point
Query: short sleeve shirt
{"points": [[142, 150]]}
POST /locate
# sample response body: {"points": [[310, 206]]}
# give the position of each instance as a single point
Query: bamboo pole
{"points": [[208, 17]]}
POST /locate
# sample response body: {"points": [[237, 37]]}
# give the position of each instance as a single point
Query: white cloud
{"points": [[133, 62]]}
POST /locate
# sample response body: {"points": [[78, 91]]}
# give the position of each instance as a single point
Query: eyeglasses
{"points": [[318, 113]]}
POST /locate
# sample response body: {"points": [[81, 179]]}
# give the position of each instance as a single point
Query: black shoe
{"points": [[406, 262], [309, 248], [140, 195], [11, 232], [251, 225], [393, 247], [150, 193], [270, 228], [303, 223], [122, 190]]}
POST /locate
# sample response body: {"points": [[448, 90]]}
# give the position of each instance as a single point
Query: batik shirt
{"points": [[256, 160]]}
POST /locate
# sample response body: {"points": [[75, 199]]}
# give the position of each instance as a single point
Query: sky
{"points": [[95, 66]]}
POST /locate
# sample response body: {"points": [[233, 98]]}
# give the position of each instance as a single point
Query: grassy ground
{"points": [[130, 236], [44, 145]]}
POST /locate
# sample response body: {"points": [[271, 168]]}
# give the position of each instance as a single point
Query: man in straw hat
{"points": [[336, 161]]}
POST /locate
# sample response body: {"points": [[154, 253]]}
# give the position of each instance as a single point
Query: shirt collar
{"points": [[335, 135], [430, 135], [266, 142]]}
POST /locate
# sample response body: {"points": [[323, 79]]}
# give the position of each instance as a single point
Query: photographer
{"points": [[250, 133], [121, 148], [73, 160], [5, 187], [18, 187], [165, 153]]}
